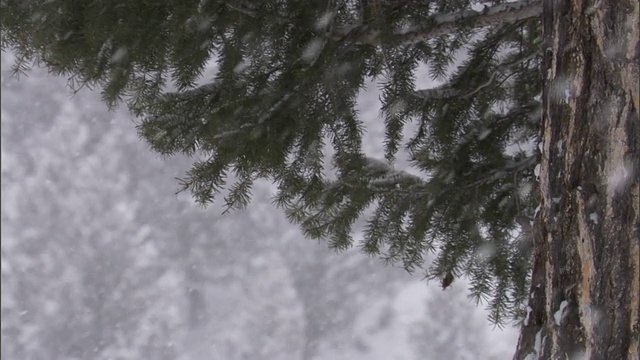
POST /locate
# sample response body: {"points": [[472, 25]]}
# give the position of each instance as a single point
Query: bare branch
{"points": [[444, 24]]}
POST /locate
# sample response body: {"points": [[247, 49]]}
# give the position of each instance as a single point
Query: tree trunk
{"points": [[586, 279]]}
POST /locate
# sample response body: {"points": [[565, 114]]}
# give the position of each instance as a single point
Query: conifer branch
{"points": [[444, 24], [439, 92], [448, 91], [384, 176], [521, 165]]}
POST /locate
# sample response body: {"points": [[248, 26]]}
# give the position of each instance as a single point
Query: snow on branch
{"points": [[440, 92], [274, 108], [185, 95], [444, 24], [390, 176], [383, 178], [448, 92]]}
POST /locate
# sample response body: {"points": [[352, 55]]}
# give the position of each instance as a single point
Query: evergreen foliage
{"points": [[288, 74]]}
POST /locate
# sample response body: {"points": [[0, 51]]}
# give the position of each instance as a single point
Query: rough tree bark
{"points": [[586, 279]]}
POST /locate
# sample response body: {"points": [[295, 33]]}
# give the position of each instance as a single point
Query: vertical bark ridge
{"points": [[587, 230]]}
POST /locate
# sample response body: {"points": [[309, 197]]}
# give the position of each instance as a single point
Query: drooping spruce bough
{"points": [[288, 74]]}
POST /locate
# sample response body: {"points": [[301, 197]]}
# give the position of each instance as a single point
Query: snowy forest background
{"points": [[101, 260]]}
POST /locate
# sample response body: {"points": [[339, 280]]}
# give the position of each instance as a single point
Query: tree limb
{"points": [[443, 24], [448, 91], [242, 9]]}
